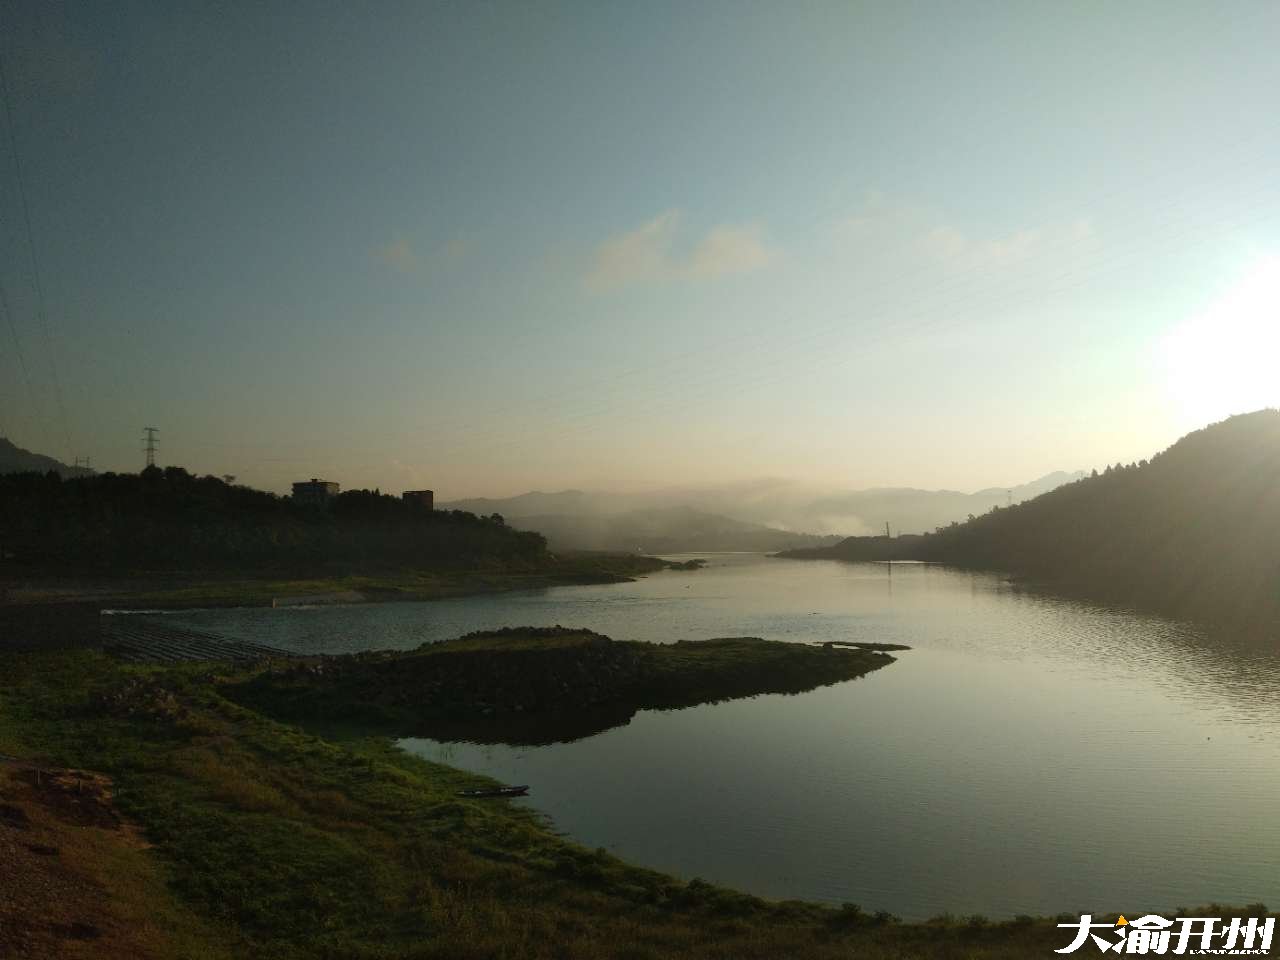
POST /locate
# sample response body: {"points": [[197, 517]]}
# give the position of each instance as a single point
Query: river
{"points": [[1029, 754]]}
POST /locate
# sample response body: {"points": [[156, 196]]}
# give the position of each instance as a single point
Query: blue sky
{"points": [[492, 247]]}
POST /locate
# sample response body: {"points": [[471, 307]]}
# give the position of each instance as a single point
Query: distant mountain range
{"points": [[908, 510], [662, 530], [765, 515], [1195, 532], [14, 459]]}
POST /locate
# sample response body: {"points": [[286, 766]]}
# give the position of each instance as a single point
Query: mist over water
{"points": [[1028, 755]]}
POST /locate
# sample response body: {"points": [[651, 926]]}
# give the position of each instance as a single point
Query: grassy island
{"points": [[530, 685]]}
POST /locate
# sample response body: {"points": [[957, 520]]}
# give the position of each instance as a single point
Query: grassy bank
{"points": [[273, 842], [269, 841]]}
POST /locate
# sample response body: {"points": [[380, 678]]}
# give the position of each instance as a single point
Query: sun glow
{"points": [[1224, 360]]}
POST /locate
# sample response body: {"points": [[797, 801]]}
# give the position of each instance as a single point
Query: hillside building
{"points": [[314, 493], [421, 498]]}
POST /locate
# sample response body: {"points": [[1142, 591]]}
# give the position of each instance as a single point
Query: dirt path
{"points": [[64, 849]]}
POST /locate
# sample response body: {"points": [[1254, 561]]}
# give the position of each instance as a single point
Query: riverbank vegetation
{"points": [[266, 840], [172, 520], [166, 538]]}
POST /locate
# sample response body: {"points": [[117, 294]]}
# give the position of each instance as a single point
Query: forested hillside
{"points": [[171, 520], [1193, 532]]}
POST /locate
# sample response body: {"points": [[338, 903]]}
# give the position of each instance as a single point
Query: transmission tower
{"points": [[150, 440]]}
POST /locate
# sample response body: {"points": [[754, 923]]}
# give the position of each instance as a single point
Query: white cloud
{"points": [[647, 253], [399, 255], [640, 254], [957, 249], [894, 266], [731, 249], [884, 230]]}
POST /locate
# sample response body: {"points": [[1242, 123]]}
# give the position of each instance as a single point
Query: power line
{"points": [[31, 251], [17, 346]]}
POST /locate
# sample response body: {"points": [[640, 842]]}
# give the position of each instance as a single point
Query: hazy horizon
{"points": [[489, 250]]}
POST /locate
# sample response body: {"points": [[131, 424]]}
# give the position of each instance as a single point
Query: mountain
{"points": [[662, 530], [14, 459], [797, 515], [533, 504], [1194, 533], [909, 510]]}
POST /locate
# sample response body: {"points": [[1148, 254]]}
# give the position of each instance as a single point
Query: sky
{"points": [[486, 248]]}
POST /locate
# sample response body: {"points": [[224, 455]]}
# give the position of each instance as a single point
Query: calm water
{"points": [[1028, 755]]}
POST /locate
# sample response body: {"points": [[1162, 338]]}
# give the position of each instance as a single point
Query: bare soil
{"points": [[56, 894]]}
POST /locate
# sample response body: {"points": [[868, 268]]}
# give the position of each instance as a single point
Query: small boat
{"points": [[519, 791]]}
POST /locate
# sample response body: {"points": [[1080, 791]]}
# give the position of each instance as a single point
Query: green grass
{"points": [[287, 845], [503, 641]]}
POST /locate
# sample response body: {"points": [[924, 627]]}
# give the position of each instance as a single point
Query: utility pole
{"points": [[887, 535], [150, 439]]}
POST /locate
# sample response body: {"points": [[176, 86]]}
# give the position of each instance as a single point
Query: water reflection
{"points": [[1029, 754]]}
